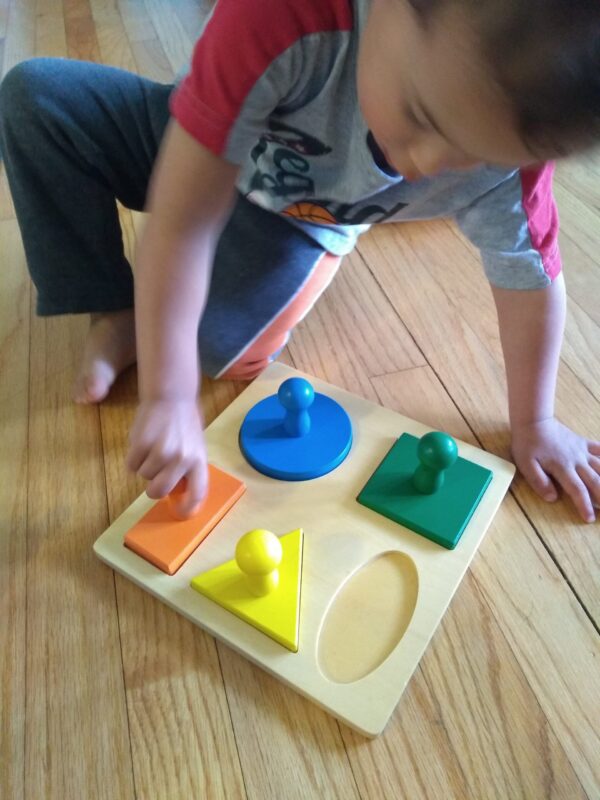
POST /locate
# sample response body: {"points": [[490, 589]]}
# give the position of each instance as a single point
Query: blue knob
{"points": [[296, 395]]}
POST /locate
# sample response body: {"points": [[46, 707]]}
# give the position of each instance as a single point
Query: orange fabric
{"points": [[166, 541], [259, 355]]}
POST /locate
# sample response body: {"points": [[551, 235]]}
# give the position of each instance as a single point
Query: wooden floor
{"points": [[105, 693]]}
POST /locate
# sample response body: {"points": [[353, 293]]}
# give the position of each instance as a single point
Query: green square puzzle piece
{"points": [[442, 516]]}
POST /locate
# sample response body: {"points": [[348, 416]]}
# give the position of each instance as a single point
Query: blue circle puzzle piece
{"points": [[296, 434]]}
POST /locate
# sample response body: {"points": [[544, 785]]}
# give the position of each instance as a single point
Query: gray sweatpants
{"points": [[75, 137]]}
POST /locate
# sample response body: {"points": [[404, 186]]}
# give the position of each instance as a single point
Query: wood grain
{"points": [[80, 31], [76, 722], [288, 747], [346, 341], [14, 479], [20, 33], [106, 693], [177, 39], [114, 46]]}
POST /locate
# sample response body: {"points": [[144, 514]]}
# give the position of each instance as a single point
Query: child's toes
{"points": [[92, 385]]}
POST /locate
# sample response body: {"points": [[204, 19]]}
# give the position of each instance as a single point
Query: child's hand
{"points": [[546, 449], [167, 444]]}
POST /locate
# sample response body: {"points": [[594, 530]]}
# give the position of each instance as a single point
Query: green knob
{"points": [[437, 452]]}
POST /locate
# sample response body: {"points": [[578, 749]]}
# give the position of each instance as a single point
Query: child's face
{"points": [[427, 99]]}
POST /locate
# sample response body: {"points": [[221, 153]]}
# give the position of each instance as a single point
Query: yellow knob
{"points": [[258, 554]]}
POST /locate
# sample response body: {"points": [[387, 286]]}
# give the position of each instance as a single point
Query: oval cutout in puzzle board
{"points": [[368, 617]]}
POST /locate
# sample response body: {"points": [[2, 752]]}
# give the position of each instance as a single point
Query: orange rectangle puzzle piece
{"points": [[166, 541]]}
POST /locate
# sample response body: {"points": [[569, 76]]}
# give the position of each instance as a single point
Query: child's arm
{"points": [[531, 330], [190, 198]]}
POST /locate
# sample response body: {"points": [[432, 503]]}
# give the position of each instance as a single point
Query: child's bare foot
{"points": [[109, 349]]}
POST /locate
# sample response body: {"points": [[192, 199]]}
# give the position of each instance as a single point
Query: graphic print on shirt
{"points": [[288, 147], [290, 151]]}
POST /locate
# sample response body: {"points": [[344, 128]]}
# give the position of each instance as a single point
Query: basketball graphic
{"points": [[310, 212]]}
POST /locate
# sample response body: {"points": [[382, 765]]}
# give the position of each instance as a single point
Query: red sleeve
{"points": [[542, 215], [240, 41]]}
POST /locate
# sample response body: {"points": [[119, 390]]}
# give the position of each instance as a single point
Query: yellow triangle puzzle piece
{"points": [[276, 614]]}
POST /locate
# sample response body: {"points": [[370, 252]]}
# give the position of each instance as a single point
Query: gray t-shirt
{"points": [[272, 88]]}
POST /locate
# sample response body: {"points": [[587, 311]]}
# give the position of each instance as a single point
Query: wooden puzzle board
{"points": [[341, 537]]}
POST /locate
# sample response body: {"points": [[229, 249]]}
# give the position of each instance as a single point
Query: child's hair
{"points": [[545, 55]]}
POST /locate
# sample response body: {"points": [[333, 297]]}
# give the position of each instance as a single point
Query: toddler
{"points": [[298, 126]]}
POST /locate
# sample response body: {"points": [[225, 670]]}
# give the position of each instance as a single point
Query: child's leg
{"points": [[74, 136], [274, 338], [267, 275]]}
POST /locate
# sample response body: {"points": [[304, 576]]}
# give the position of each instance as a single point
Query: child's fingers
{"points": [[197, 479], [594, 462], [539, 481], [136, 455], [591, 478], [195, 485], [164, 481], [594, 448], [577, 491], [156, 463], [144, 456]]}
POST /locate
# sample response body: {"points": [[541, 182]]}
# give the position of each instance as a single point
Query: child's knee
{"points": [[23, 90]]}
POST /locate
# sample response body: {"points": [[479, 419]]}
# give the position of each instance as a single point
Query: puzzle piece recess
{"points": [[167, 541], [262, 584], [296, 434], [424, 485]]}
